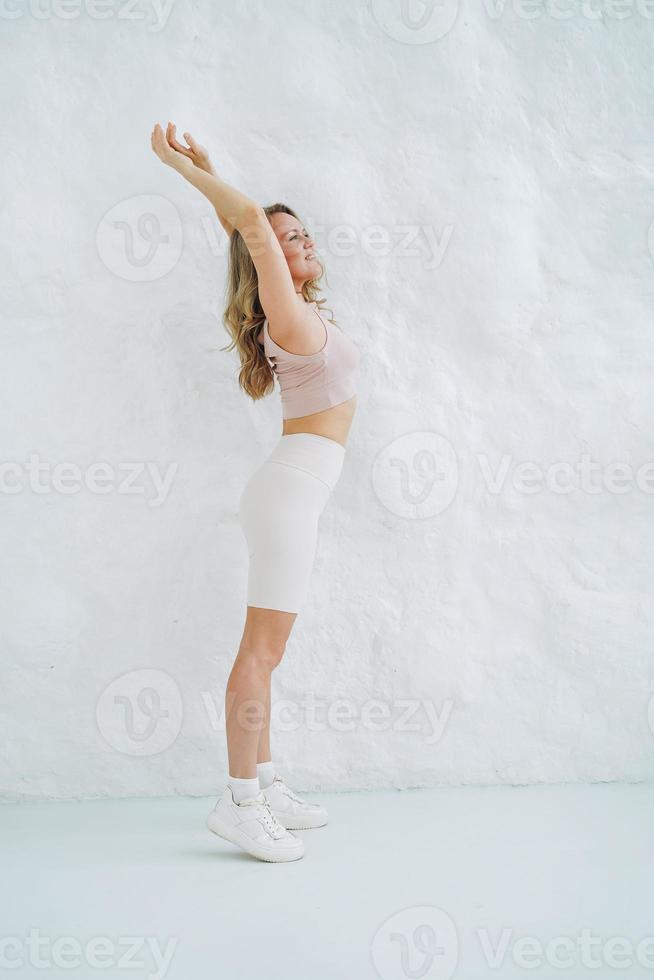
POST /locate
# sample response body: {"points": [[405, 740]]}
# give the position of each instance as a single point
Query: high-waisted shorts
{"points": [[279, 511]]}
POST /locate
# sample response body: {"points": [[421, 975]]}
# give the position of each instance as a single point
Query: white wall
{"points": [[515, 328]]}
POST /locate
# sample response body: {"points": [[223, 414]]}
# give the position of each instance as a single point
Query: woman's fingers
{"points": [[161, 140], [200, 155], [169, 150], [191, 142], [171, 136], [154, 139], [159, 144]]}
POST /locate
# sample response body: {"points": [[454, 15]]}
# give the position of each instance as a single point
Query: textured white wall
{"points": [[480, 185]]}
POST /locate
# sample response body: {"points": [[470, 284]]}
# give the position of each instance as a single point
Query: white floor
{"points": [[421, 883]]}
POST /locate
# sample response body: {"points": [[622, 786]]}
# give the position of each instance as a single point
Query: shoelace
{"points": [[288, 792], [270, 821]]}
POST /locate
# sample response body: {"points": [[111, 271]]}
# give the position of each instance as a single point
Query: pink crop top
{"points": [[314, 382]]}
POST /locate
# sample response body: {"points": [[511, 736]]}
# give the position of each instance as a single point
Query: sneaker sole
{"points": [[234, 836], [300, 823]]}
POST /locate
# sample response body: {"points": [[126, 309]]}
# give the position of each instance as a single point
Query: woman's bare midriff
{"points": [[334, 423]]}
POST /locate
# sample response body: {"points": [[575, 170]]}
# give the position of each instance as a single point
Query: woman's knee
{"points": [[262, 653]]}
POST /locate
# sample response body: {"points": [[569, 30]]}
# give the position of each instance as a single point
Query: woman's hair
{"points": [[244, 314]]}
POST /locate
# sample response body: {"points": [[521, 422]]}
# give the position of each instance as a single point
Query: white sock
{"points": [[243, 789], [266, 773]]}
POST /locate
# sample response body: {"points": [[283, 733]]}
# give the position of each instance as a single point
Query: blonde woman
{"points": [[276, 325]]}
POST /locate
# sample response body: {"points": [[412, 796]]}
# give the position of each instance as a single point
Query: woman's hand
{"points": [[196, 153], [167, 154], [193, 163]]}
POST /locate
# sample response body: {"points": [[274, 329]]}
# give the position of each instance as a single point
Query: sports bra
{"points": [[313, 382]]}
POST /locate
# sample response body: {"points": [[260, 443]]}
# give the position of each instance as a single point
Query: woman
{"points": [[277, 329]]}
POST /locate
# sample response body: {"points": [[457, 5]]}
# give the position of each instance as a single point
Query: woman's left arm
{"points": [[200, 157]]}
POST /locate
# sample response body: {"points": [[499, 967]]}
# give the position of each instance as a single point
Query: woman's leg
{"points": [[243, 815], [263, 749], [279, 511], [247, 700]]}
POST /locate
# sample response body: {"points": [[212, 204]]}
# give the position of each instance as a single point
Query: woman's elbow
{"points": [[250, 217]]}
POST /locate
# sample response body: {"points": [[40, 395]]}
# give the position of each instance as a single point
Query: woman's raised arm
{"points": [[230, 203], [200, 157], [276, 289]]}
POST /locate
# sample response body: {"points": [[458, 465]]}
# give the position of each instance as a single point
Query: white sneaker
{"points": [[291, 811], [251, 825]]}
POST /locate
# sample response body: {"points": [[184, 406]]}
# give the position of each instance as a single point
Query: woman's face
{"points": [[298, 247]]}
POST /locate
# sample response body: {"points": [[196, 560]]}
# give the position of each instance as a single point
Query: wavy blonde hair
{"points": [[244, 314]]}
